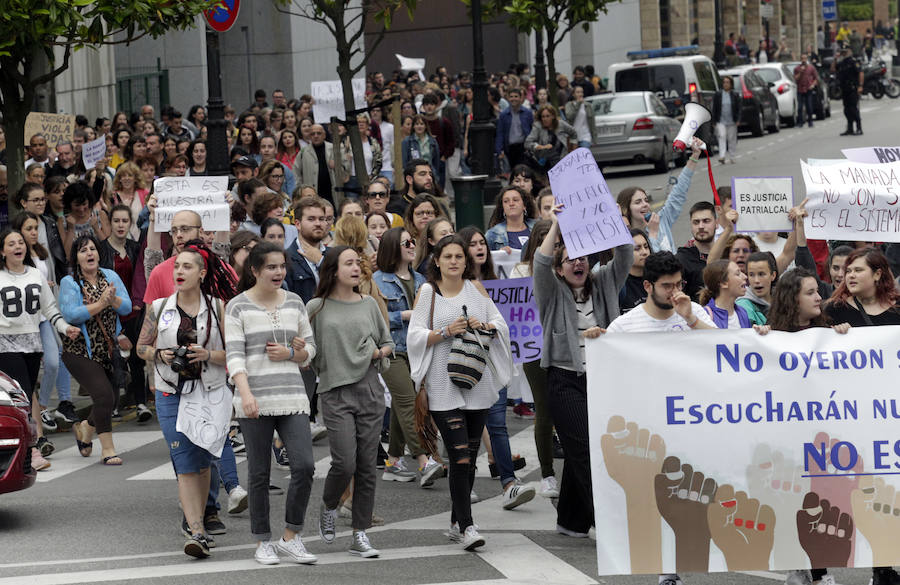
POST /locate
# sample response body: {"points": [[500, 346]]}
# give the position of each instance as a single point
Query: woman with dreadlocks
{"points": [[94, 298], [183, 337]]}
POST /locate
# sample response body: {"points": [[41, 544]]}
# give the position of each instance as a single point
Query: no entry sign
{"points": [[221, 17]]}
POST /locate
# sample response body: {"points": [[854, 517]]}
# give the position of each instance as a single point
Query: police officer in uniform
{"points": [[850, 78]]}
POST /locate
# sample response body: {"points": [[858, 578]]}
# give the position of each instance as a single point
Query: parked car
{"points": [[759, 109], [821, 101], [633, 127], [677, 75], [16, 437], [783, 87]]}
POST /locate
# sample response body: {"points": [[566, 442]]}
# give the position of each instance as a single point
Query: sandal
{"points": [[84, 448], [109, 460]]}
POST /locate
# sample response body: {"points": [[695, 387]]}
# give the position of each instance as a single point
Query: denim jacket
{"points": [[393, 292], [497, 237]]}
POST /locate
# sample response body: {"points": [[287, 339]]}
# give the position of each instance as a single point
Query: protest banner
{"points": [[504, 263], [205, 195], [54, 127], [724, 460], [590, 221], [93, 152], [329, 99], [763, 203], [873, 154], [514, 299], [853, 201]]}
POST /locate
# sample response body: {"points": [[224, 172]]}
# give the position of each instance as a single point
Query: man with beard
{"points": [[693, 256], [419, 179], [65, 161], [667, 307]]}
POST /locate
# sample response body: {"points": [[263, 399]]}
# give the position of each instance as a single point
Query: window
{"points": [[768, 75], [706, 77], [623, 104], [667, 81]]}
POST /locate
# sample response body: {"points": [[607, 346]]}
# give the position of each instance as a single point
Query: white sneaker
{"points": [[471, 539], [237, 500], [397, 471], [826, 580], [265, 554], [801, 577], [474, 498], [549, 487], [317, 430], [516, 495], [566, 532], [143, 413], [454, 534], [670, 580], [361, 546], [296, 551], [432, 471]]}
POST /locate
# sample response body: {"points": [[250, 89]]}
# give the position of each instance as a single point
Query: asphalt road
{"points": [[84, 523]]}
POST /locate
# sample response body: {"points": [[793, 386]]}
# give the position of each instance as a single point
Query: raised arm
{"points": [[728, 222]]}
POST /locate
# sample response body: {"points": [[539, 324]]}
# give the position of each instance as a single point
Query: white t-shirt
{"points": [[387, 151], [581, 125], [733, 321], [638, 320]]}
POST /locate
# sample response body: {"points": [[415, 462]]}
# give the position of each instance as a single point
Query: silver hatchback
{"points": [[633, 127]]}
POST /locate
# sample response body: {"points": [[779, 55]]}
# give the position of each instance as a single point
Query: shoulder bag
{"points": [[469, 355], [425, 426]]}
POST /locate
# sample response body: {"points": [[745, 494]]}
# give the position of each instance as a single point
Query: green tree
{"points": [[346, 22], [555, 18], [30, 27]]}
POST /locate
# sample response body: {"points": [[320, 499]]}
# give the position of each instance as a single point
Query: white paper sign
{"points": [[504, 263], [205, 195], [725, 463], [853, 201], [763, 203], [204, 417], [408, 64], [329, 99], [591, 221], [873, 154], [93, 152]]}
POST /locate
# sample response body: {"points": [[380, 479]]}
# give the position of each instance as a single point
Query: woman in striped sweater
{"points": [[261, 326]]}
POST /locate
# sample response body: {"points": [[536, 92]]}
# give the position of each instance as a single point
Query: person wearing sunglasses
{"points": [[377, 197]]}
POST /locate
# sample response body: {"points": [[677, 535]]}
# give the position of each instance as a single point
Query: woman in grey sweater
{"points": [[352, 339], [575, 303], [549, 139]]}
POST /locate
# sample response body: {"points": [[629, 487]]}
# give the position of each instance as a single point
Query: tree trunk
{"points": [[552, 87], [15, 111], [345, 75]]}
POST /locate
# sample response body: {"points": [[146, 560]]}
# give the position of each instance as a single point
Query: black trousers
{"points": [[567, 396], [851, 109], [515, 154], [23, 368], [461, 431], [137, 385]]}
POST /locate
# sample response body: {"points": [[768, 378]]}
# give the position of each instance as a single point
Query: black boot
{"points": [[848, 131]]}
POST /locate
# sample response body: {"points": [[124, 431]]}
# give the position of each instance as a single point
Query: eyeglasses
{"points": [[39, 200], [278, 177], [670, 286], [410, 243], [377, 194], [175, 229], [574, 260], [424, 213]]}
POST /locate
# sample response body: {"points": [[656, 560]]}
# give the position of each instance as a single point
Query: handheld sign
{"points": [[504, 263], [329, 99], [873, 154], [853, 201], [590, 221], [54, 127], [93, 152], [205, 195], [514, 299], [763, 203]]}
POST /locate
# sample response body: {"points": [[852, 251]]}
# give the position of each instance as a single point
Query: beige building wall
{"points": [[650, 34]]}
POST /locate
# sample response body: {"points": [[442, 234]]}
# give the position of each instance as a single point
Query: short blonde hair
{"points": [[351, 230], [129, 168]]}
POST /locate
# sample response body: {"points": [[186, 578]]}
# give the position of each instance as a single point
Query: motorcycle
{"points": [[875, 79]]}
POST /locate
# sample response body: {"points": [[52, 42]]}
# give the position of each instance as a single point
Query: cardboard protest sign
{"points": [[504, 263], [329, 99], [55, 127], [853, 201], [726, 462], [763, 203], [514, 299], [873, 154], [93, 152], [205, 195], [590, 221]]}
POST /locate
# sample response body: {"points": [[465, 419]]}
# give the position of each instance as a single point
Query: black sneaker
{"points": [[281, 456], [116, 415], [185, 529], [197, 546], [274, 490], [884, 576], [382, 455], [213, 525], [45, 446], [558, 452], [65, 412]]}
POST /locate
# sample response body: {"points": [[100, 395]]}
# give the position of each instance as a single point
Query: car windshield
{"points": [[620, 104], [768, 74], [667, 81]]}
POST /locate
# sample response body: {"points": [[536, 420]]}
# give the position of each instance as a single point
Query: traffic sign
{"points": [[829, 10], [222, 15], [766, 11]]}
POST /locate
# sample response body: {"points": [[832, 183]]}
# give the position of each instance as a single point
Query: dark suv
{"points": [[759, 108]]}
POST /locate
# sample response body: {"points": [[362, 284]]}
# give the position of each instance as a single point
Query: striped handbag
{"points": [[469, 355]]}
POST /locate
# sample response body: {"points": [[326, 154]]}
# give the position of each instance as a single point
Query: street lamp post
{"points": [[540, 69], [718, 44], [216, 140], [481, 132]]}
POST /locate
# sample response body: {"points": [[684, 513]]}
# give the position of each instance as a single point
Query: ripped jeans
{"points": [[461, 432]]}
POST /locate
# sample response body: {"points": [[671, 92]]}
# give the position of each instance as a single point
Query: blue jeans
{"points": [[54, 369], [496, 426], [584, 144], [807, 100], [225, 469]]}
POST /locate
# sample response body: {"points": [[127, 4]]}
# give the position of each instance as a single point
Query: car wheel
{"points": [[792, 121], [662, 165], [757, 128]]}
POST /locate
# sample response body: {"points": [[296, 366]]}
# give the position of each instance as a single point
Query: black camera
{"points": [[181, 362]]}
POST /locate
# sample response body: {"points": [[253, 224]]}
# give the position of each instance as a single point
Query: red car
{"points": [[16, 437]]}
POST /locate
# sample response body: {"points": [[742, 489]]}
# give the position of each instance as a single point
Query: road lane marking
{"points": [[166, 472], [70, 460]]}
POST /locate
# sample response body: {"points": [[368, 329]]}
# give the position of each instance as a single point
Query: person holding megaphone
{"points": [[726, 115]]}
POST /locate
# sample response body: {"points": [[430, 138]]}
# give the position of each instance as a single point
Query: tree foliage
{"points": [[556, 18], [30, 27], [346, 21]]}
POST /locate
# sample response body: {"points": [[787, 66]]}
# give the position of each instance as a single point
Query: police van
{"points": [[677, 75]]}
